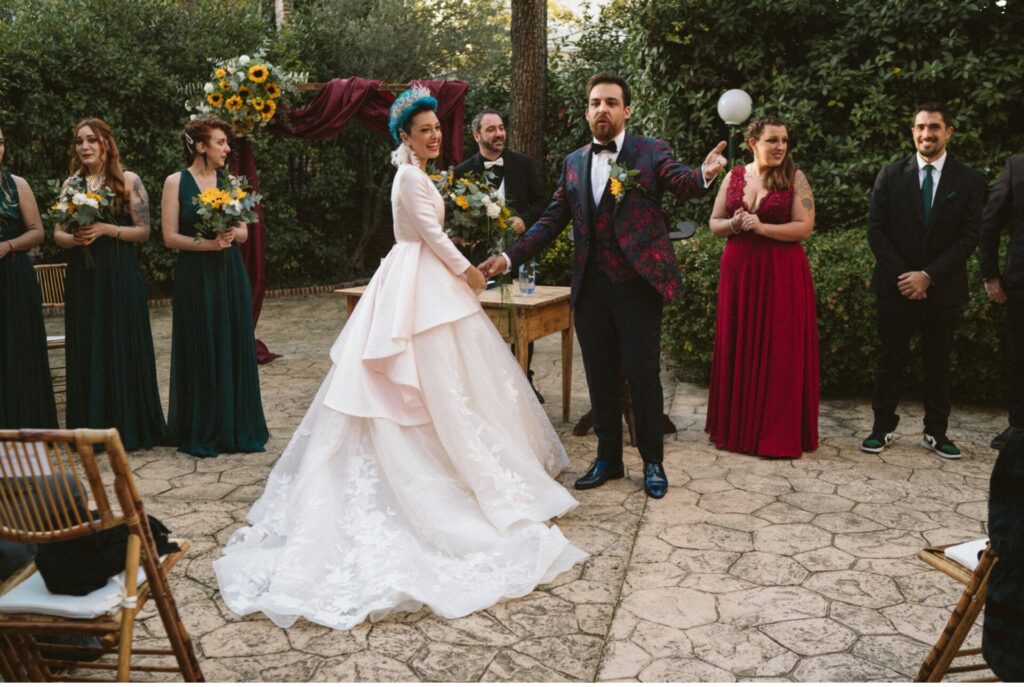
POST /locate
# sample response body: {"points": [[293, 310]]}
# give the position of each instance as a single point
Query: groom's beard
{"points": [[604, 130]]}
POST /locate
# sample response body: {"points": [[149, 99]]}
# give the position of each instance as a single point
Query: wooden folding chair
{"points": [[51, 285], [52, 489], [939, 660]]}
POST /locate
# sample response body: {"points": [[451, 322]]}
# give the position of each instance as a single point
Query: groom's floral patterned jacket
{"points": [[639, 222]]}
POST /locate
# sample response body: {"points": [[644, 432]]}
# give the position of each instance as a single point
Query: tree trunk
{"points": [[281, 12], [529, 75]]}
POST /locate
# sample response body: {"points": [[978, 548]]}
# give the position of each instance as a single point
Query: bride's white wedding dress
{"points": [[421, 472]]}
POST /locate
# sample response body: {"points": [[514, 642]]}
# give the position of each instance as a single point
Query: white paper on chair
{"points": [[30, 463], [967, 554], [31, 596]]}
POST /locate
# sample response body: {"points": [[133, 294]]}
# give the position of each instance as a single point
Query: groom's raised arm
{"points": [[554, 220], [680, 180]]}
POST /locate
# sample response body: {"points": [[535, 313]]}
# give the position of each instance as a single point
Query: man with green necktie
{"points": [[923, 225]]}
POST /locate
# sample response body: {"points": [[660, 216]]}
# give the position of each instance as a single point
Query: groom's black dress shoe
{"points": [[655, 482], [600, 472]]}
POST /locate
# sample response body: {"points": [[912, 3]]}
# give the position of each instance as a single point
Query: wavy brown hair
{"points": [[783, 176], [112, 169], [199, 131]]}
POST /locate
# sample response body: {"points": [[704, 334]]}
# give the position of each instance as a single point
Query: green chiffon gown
{"points": [[215, 385], [111, 367], [26, 389]]}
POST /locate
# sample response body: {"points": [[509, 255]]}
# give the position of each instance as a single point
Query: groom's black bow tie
{"points": [[610, 146]]}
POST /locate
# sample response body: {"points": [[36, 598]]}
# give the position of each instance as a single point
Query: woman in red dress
{"points": [[763, 396]]}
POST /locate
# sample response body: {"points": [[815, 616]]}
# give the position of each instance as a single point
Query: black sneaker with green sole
{"points": [[943, 447], [877, 442]]}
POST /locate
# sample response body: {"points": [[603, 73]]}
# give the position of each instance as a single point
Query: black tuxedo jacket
{"points": [[1005, 207], [902, 242], [523, 192]]}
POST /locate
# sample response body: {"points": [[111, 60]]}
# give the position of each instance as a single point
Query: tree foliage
{"points": [[846, 74]]}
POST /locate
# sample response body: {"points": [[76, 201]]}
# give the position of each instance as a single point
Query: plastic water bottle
{"points": [[531, 278]]}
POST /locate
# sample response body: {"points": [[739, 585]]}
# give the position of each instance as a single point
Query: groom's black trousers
{"points": [[619, 330]]}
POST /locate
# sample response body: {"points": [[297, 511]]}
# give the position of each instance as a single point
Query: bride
{"points": [[421, 471]]}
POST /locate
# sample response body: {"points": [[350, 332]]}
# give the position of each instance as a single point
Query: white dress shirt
{"points": [[600, 167], [936, 173]]}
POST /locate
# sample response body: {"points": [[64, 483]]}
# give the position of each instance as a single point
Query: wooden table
{"points": [[529, 318]]}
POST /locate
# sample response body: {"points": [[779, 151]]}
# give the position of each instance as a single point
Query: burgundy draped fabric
{"points": [[244, 163], [341, 100], [337, 103]]}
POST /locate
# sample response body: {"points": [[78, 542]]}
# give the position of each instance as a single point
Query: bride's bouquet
{"points": [[476, 217], [78, 205], [228, 203]]}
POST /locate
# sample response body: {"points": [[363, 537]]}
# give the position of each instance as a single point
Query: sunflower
{"points": [[269, 108], [214, 197], [215, 99], [239, 194], [224, 85], [273, 90], [462, 202], [245, 92], [220, 72], [257, 104], [258, 73], [234, 103]]}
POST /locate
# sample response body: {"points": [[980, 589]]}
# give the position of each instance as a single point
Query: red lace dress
{"points": [[763, 397]]}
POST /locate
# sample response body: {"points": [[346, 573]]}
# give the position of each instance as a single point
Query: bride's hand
{"points": [[475, 278]]}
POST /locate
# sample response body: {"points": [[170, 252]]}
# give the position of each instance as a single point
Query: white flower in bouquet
{"points": [[493, 210], [244, 59], [81, 199], [208, 87]]}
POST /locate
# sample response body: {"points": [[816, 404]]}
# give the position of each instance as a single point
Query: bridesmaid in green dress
{"points": [[111, 368], [215, 386], [26, 390]]}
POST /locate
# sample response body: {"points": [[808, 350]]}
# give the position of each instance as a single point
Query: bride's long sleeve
{"points": [[418, 199]]}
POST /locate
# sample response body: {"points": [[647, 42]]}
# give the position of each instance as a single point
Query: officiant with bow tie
{"points": [[515, 175], [624, 269]]}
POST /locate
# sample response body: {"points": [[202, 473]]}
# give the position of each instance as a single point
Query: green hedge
{"points": [[841, 265]]}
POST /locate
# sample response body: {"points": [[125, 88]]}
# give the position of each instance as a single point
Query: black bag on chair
{"points": [[80, 566]]}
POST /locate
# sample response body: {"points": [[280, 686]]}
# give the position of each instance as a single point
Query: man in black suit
{"points": [[922, 227], [1005, 208], [516, 177]]}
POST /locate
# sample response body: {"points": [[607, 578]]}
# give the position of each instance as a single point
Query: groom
{"points": [[625, 269]]}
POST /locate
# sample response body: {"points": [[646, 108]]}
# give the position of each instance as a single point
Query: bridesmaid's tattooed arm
{"points": [[138, 208], [803, 192]]}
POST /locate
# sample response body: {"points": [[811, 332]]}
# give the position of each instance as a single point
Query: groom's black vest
{"points": [[605, 252]]}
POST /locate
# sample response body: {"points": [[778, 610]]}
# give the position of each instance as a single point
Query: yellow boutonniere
{"points": [[621, 181]]}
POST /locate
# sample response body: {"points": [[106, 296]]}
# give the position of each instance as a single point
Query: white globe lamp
{"points": [[734, 107]]}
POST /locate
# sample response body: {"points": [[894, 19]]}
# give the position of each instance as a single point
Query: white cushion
{"points": [[967, 554], [31, 596]]}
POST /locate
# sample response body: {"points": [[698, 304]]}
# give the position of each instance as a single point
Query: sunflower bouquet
{"points": [[78, 205], [244, 91], [476, 217], [223, 206]]}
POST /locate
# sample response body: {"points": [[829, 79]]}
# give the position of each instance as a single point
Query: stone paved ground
{"points": [[749, 569]]}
